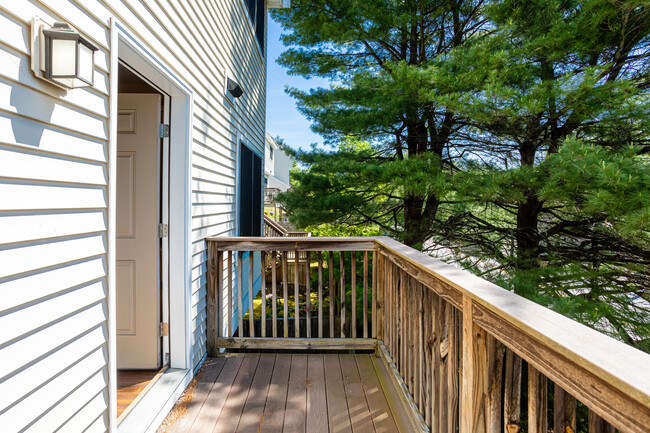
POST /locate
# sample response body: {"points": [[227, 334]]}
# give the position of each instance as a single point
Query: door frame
{"points": [[131, 49]]}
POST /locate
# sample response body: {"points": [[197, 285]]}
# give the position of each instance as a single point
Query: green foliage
{"points": [[521, 138]]}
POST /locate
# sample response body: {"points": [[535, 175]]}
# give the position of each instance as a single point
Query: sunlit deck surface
{"points": [[292, 393]]}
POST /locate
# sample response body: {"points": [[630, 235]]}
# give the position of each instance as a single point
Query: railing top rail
{"points": [[293, 243], [274, 224], [538, 334]]}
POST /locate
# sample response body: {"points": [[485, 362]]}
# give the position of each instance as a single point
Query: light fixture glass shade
{"points": [[85, 63], [64, 53], [69, 57]]}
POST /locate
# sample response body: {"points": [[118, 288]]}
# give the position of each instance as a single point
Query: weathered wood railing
{"points": [[469, 356], [275, 229]]}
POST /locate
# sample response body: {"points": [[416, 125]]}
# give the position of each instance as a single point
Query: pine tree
{"points": [[556, 96], [376, 53]]}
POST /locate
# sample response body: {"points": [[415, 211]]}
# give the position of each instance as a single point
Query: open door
{"points": [[139, 215]]}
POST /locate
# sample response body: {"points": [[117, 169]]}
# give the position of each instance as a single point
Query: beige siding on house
{"points": [[54, 197]]}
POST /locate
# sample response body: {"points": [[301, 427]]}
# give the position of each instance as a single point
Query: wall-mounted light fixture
{"points": [[60, 54], [233, 88]]}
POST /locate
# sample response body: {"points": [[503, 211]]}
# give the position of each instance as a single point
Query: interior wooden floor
{"points": [[130, 383], [293, 393]]}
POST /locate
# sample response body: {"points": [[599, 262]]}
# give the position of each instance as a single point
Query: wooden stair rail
{"points": [[457, 343]]}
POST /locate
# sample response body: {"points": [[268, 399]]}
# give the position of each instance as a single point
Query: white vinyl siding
{"points": [[54, 198], [53, 222]]}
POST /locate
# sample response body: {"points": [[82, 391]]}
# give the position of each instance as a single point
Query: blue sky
{"points": [[282, 116]]}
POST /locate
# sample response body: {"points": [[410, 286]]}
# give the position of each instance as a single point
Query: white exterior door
{"points": [[138, 192]]}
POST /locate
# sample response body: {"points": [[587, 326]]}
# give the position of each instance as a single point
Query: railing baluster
{"points": [[274, 294], [285, 294], [251, 315], [263, 290], [320, 294], [296, 291], [240, 303], [230, 330], [375, 288], [564, 410], [512, 393], [402, 301], [599, 425], [454, 365], [419, 347], [308, 295], [353, 284], [537, 401], [332, 292], [342, 270], [365, 294]]}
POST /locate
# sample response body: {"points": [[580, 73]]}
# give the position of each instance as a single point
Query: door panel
{"points": [[138, 287]]}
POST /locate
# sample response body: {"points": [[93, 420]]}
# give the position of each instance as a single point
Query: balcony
{"points": [[401, 338]]}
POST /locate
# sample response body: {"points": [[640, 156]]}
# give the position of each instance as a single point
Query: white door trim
{"points": [[128, 47]]}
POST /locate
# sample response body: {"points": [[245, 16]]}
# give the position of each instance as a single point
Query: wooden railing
{"points": [[275, 229], [467, 355]]}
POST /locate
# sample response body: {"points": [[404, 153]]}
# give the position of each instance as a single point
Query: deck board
{"points": [[276, 400], [291, 393], [216, 399], [357, 403], [251, 417], [234, 406], [316, 397], [294, 413]]}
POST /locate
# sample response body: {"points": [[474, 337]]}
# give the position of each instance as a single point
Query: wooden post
{"points": [[212, 310], [481, 377], [230, 330], [537, 401]]}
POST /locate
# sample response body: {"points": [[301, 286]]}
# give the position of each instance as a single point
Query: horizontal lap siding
{"points": [[54, 198], [53, 235]]}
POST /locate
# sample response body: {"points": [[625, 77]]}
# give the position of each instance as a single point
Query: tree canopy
{"points": [[515, 132]]}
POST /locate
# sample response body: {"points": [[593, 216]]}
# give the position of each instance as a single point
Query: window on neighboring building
{"points": [[270, 153], [256, 12], [250, 192]]}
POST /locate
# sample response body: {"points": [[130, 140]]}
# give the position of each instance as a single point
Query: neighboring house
{"points": [[104, 210], [277, 165]]}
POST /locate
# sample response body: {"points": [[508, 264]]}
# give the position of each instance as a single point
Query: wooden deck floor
{"points": [[292, 393]]}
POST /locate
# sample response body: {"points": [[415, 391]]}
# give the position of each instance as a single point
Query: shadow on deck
{"points": [[290, 393]]}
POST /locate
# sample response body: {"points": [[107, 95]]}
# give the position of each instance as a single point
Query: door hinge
{"points": [[163, 130], [164, 329], [163, 230]]}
